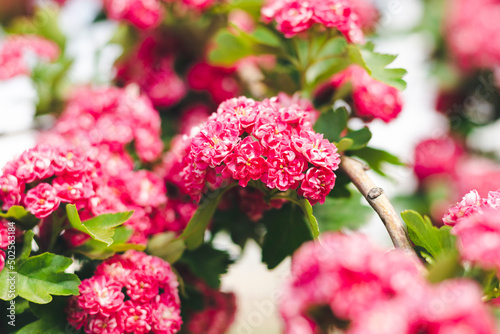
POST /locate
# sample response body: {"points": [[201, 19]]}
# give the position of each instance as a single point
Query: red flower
{"points": [[42, 200]]}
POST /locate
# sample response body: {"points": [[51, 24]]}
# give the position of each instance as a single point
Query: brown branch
{"points": [[378, 200]]}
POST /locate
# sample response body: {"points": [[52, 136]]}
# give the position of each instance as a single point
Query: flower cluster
{"points": [[217, 315], [470, 36], [109, 118], [16, 52], [129, 293], [359, 288], [371, 98], [476, 223], [436, 156], [272, 141], [293, 17], [44, 177], [151, 66], [143, 14]]}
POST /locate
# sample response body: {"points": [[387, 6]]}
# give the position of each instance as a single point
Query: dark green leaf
{"points": [[40, 277], [332, 123], [339, 213], [376, 158], [195, 231], [28, 240], [50, 319], [100, 228], [360, 138], [287, 230], [166, 246], [19, 215], [433, 240], [207, 263]]}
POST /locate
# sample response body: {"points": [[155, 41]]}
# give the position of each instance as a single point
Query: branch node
{"points": [[374, 193]]}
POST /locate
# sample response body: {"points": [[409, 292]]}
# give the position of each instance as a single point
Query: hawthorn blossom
{"points": [[436, 156], [143, 14], [219, 82], [42, 200], [17, 49], [371, 98], [317, 184], [246, 163], [124, 296], [293, 17]]}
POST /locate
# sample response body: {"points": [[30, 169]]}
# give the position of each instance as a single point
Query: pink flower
{"points": [[372, 99], [436, 156], [471, 203], [135, 318], [14, 50], [285, 169], [2, 260], [164, 87], [294, 17], [214, 142], [318, 151], [77, 317], [246, 162], [141, 287], [143, 14], [35, 164], [42, 200], [479, 238], [242, 110], [165, 315], [10, 191], [219, 82], [98, 295], [317, 184], [103, 325], [70, 189], [4, 236]]}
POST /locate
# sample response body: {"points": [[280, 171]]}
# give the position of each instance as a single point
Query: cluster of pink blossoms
{"points": [[217, 315], [151, 66], [272, 141], [364, 290], [371, 98], [44, 177], [147, 14], [16, 50], [129, 293], [293, 17], [470, 37], [476, 223]]}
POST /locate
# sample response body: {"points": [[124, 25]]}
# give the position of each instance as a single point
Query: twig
{"points": [[379, 201]]}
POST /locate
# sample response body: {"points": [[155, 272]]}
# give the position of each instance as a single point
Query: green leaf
{"points": [[100, 228], [287, 230], [28, 240], [166, 246], [339, 213], [207, 263], [229, 48], [50, 319], [360, 138], [446, 266], [433, 240], [332, 123], [40, 277], [376, 65], [22, 217], [97, 250], [195, 230], [344, 144], [376, 158], [308, 214]]}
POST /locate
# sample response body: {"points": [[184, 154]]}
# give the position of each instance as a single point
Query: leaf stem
{"points": [[379, 201]]}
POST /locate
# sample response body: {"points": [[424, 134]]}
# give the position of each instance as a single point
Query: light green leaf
{"points": [[446, 266], [360, 138], [40, 277], [28, 240], [308, 214], [377, 158], [100, 228], [97, 250], [166, 246], [195, 230], [423, 234], [19, 215], [376, 65], [229, 48], [344, 144]]}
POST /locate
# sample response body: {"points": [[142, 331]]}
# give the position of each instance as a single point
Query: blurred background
{"points": [[447, 133]]}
